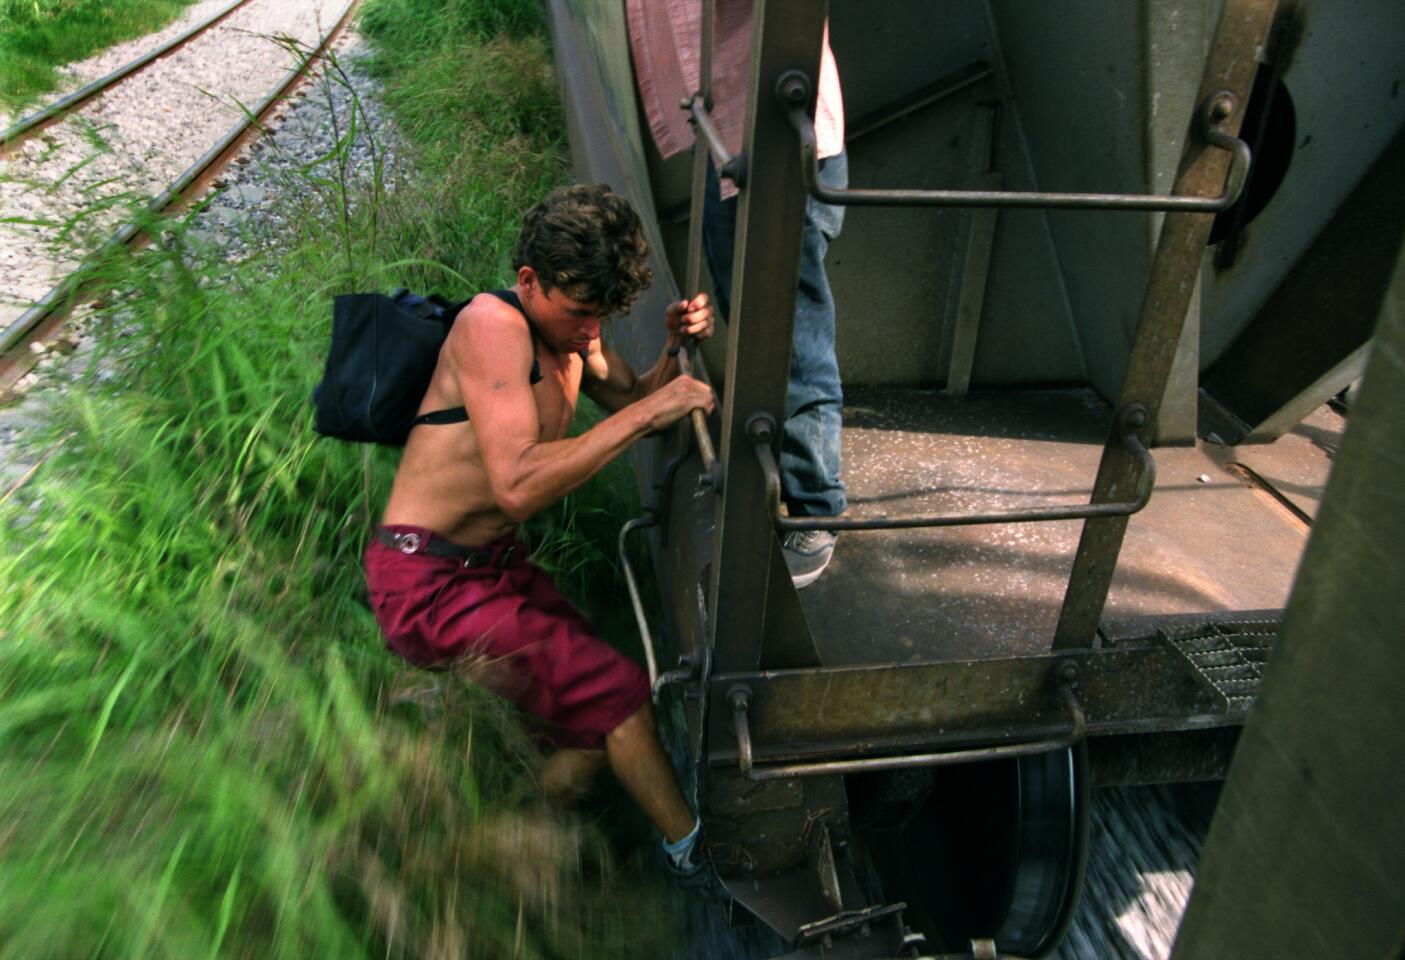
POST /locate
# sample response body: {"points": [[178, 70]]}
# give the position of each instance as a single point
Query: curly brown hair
{"points": [[588, 241]]}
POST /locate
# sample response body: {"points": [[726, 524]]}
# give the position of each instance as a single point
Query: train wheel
{"points": [[989, 851]]}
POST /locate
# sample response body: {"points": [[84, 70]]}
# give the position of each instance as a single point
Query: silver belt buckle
{"points": [[407, 542]]}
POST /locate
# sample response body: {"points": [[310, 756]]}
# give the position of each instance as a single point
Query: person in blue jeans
{"points": [[810, 440]]}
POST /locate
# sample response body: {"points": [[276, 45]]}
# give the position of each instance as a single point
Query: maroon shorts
{"points": [[534, 648]]}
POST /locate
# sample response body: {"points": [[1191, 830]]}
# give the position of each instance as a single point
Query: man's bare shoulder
{"points": [[487, 330]]}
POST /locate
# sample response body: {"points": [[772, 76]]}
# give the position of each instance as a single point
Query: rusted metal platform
{"points": [[1222, 534]]}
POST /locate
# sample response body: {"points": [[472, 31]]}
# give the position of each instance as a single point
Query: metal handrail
{"points": [[686, 669], [707, 137], [650, 659], [793, 89], [739, 696], [710, 480], [1130, 419], [729, 167]]}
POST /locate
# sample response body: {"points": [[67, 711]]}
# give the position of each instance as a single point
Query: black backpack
{"points": [[383, 353]]}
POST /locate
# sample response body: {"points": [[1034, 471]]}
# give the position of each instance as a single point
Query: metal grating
{"points": [[1229, 656]]}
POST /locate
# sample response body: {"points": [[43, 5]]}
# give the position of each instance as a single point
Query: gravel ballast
{"points": [[128, 144], [256, 195]]}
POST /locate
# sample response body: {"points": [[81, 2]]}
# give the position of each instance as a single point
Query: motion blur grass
{"points": [[204, 748], [36, 36]]}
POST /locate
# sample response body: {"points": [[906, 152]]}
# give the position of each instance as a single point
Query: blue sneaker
{"points": [[696, 873]]}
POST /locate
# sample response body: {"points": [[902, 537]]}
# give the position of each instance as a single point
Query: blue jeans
{"points": [[814, 401]]}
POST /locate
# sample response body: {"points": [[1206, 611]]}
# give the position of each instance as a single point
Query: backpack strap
{"points": [[449, 415], [510, 298], [460, 414]]}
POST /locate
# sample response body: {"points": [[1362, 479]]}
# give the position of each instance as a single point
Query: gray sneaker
{"points": [[807, 553]]}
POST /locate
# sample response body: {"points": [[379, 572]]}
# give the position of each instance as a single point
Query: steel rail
{"points": [[793, 90], [739, 696], [1130, 420], [41, 118], [62, 295]]}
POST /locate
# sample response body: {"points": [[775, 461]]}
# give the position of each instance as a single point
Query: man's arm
{"points": [[492, 354], [610, 382]]}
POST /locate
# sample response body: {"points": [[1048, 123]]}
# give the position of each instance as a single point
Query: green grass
{"points": [[205, 750], [36, 36]]}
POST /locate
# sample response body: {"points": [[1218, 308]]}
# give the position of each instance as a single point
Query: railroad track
{"points": [[47, 314], [34, 123]]}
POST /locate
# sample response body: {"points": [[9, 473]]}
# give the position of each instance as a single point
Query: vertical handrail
{"points": [[711, 478], [697, 198], [786, 36]]}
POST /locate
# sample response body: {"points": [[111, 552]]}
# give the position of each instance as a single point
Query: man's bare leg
{"points": [[637, 758], [567, 774]]}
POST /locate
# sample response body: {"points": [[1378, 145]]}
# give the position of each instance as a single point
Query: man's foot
{"points": [[807, 553], [691, 866], [699, 879]]}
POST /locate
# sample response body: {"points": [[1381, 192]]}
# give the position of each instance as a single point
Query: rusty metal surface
{"points": [[770, 214], [955, 593], [769, 830], [885, 709], [739, 697], [1229, 72], [683, 558]]}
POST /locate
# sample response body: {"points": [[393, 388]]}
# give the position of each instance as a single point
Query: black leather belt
{"points": [[437, 547]]}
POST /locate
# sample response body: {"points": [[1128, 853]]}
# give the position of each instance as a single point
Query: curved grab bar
{"points": [[650, 658], [739, 696], [657, 681], [1130, 420], [793, 90], [730, 166]]}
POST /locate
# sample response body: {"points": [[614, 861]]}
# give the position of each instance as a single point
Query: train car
{"points": [[1108, 274]]}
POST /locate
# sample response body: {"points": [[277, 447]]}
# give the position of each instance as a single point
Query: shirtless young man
{"points": [[448, 577]]}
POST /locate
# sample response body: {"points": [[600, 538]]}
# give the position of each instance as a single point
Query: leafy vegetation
{"points": [[206, 752], [36, 36]]}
